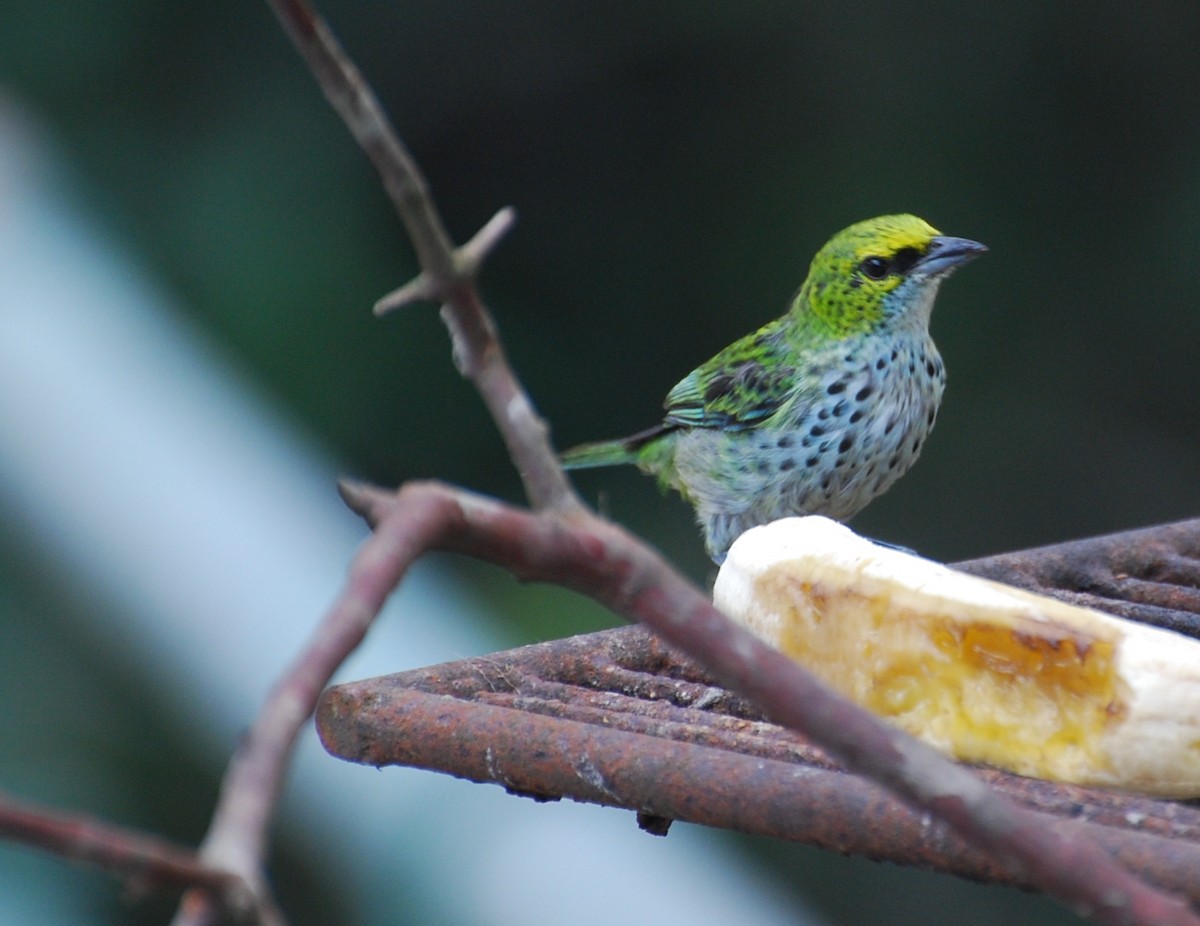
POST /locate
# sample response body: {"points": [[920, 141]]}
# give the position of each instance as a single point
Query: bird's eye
{"points": [[875, 267]]}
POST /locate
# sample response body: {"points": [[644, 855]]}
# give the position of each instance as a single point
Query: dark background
{"points": [[674, 167]]}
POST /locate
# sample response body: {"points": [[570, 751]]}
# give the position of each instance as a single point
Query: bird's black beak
{"points": [[944, 254]]}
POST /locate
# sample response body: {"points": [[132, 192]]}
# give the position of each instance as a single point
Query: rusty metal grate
{"points": [[617, 718]]}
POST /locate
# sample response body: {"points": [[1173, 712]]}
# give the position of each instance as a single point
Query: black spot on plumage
{"points": [[881, 363], [856, 417], [863, 394], [785, 442], [836, 388], [841, 408], [889, 427], [816, 431], [894, 461], [846, 444], [930, 369], [749, 375], [823, 414], [787, 464], [812, 461], [717, 387], [930, 417], [763, 466]]}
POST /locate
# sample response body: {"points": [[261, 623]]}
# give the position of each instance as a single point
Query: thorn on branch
{"points": [[468, 260], [367, 501]]}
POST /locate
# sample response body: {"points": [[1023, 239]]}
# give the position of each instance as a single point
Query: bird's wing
{"points": [[738, 388]]}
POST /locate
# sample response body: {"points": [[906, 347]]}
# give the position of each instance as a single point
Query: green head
{"points": [[879, 272]]}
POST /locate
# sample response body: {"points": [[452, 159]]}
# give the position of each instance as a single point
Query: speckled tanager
{"points": [[819, 411]]}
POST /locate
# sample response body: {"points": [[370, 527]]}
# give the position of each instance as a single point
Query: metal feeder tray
{"points": [[618, 718]]}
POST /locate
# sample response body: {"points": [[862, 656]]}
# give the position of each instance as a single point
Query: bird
{"points": [[819, 411]]}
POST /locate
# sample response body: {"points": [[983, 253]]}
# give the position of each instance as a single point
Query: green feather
{"points": [[601, 453], [738, 388], [613, 452]]}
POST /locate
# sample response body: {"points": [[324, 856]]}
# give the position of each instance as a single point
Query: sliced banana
{"points": [[983, 671]]}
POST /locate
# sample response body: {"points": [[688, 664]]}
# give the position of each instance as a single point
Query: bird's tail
{"points": [[610, 452]]}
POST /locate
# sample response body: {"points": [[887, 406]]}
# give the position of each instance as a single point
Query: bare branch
{"points": [[448, 274], [145, 862], [237, 836], [236, 839]]}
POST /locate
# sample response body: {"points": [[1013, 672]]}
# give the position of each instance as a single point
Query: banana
{"points": [[985, 672]]}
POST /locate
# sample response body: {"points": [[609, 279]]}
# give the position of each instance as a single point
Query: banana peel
{"points": [[985, 672]]}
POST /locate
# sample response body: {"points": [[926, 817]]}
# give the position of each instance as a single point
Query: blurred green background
{"points": [[674, 167]]}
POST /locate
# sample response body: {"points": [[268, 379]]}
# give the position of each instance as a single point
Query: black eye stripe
{"points": [[904, 260]]}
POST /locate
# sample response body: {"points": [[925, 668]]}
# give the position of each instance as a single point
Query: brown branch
{"points": [[145, 862], [447, 275], [249, 793], [237, 836]]}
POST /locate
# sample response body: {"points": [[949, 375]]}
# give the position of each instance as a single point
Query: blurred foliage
{"points": [[674, 166]]}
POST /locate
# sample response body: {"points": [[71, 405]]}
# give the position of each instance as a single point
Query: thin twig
{"points": [[237, 836], [238, 832], [144, 861], [448, 274]]}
